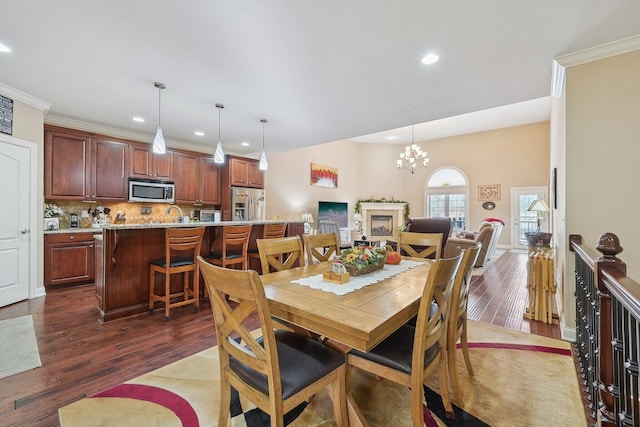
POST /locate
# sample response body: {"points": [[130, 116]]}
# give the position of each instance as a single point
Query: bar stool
{"points": [[235, 240], [269, 231], [182, 246]]}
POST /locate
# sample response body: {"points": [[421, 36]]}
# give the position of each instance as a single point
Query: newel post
{"points": [[609, 246]]}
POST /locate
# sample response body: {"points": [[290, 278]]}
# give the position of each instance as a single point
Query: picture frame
{"points": [[554, 188], [489, 192], [324, 176]]}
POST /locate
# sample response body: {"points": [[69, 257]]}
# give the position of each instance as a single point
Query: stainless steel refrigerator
{"points": [[247, 204]]}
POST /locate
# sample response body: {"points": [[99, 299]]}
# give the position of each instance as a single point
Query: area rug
{"points": [[479, 271], [18, 346], [519, 379]]}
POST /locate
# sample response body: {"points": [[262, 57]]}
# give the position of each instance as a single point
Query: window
{"points": [[446, 195]]}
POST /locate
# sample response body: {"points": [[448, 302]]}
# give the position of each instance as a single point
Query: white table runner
{"points": [[357, 282]]}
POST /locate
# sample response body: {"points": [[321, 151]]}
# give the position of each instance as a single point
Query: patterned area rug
{"points": [[519, 379], [18, 346]]}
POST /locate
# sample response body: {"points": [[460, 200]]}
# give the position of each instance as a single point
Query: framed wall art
{"points": [[324, 176], [490, 192]]}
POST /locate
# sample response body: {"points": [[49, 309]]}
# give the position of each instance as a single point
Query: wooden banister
{"points": [[607, 331]]}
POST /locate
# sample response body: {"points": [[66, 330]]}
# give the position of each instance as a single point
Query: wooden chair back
{"points": [[420, 245], [183, 242], [182, 246], [429, 341], [244, 358], [274, 231], [235, 240], [320, 247], [457, 325], [280, 254]]}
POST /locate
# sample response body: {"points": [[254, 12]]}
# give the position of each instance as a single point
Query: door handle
{"points": [[25, 231]]}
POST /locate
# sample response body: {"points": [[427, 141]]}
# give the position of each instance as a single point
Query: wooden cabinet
{"points": [[79, 167], [69, 258], [209, 181], [67, 163], [147, 164], [244, 172], [109, 170], [197, 179]]}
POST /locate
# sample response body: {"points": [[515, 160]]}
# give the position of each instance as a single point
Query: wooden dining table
{"points": [[360, 319]]}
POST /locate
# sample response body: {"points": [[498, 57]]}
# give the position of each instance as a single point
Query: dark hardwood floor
{"points": [[81, 357]]}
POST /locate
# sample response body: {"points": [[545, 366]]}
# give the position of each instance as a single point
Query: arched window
{"points": [[446, 194]]}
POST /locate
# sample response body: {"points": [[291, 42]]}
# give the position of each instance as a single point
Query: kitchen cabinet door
{"points": [[110, 170], [255, 177], [186, 173], [69, 258], [147, 164], [245, 172], [67, 165], [209, 181]]}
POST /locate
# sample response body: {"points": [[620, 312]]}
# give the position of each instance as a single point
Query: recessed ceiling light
{"points": [[4, 48], [430, 58], [391, 137], [245, 144], [199, 133], [138, 119]]}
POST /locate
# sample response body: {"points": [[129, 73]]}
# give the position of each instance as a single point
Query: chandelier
{"points": [[413, 156]]}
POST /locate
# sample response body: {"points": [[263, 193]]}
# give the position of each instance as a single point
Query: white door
{"points": [[15, 191], [525, 221]]}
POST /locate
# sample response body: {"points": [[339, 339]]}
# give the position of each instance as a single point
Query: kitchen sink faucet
{"points": [[181, 217]]}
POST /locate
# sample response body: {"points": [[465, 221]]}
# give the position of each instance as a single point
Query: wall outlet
{"points": [[145, 210], [84, 213]]}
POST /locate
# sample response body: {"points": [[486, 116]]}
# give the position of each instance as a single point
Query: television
{"points": [[334, 211]]}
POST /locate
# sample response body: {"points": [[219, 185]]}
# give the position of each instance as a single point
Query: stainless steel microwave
{"points": [[148, 190]]}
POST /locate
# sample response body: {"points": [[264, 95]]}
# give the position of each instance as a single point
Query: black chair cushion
{"points": [[230, 255], [175, 262], [396, 350], [302, 361]]}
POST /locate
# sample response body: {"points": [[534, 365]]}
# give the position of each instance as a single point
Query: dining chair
{"points": [[320, 247], [276, 371], [410, 354], [457, 326], [280, 254], [235, 240], [420, 245], [328, 226], [269, 231], [182, 246]]}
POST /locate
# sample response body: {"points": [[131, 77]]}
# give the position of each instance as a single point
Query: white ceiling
{"points": [[318, 71]]}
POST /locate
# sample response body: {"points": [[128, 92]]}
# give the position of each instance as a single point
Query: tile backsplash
{"points": [[132, 212]]}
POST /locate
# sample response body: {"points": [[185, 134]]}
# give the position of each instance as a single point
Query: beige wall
{"points": [[512, 157], [602, 152]]}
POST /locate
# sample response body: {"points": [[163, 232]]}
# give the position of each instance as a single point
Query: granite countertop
{"points": [[74, 230], [189, 224], [125, 226]]}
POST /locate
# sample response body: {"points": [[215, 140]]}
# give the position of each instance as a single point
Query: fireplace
{"points": [[381, 220]]}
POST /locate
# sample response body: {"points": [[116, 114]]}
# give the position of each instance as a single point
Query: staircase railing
{"points": [[607, 331]]}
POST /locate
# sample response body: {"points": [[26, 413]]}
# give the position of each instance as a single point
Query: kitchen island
{"points": [[123, 253]]}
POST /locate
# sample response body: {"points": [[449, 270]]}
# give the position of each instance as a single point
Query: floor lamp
{"points": [[538, 206]]}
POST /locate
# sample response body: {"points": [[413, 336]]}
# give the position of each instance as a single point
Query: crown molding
{"points": [[600, 52], [117, 133], [18, 95]]}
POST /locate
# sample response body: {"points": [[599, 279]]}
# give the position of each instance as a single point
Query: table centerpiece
{"points": [[363, 259]]}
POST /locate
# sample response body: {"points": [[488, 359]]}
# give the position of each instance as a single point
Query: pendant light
{"points": [[264, 164], [158, 142], [218, 156]]}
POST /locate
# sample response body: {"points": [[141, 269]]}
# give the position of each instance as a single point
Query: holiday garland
{"points": [[406, 205]]}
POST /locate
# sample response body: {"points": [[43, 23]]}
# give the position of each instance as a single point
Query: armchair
{"points": [[441, 225], [487, 235]]}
